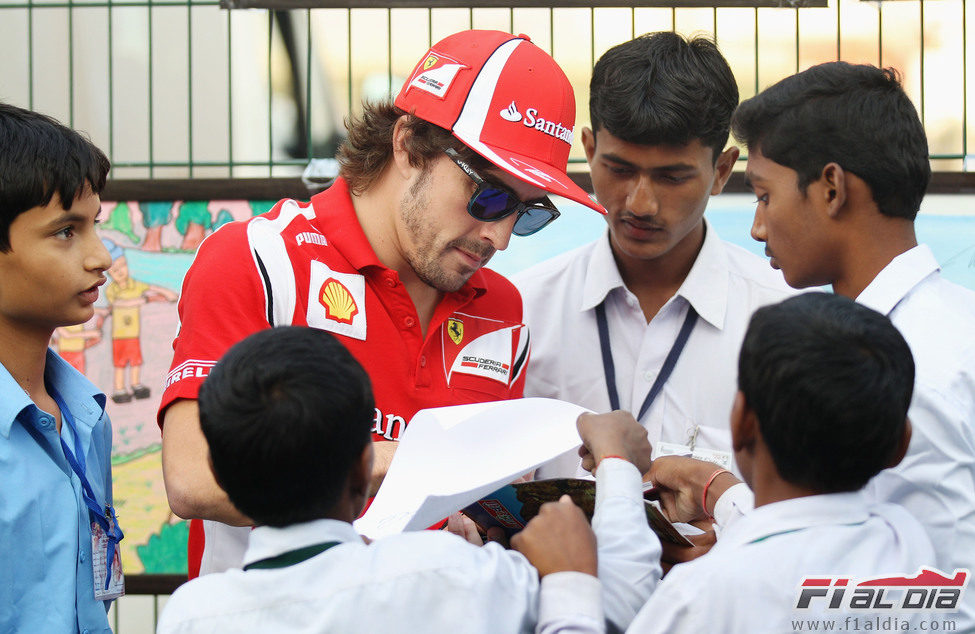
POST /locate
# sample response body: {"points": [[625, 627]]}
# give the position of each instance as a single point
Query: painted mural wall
{"points": [[126, 348]]}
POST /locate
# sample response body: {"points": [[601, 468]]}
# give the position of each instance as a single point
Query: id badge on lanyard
{"points": [[106, 561]]}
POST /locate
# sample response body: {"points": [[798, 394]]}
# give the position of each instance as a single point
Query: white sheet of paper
{"points": [[449, 457]]}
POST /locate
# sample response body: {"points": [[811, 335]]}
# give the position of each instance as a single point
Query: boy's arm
{"points": [[683, 483], [192, 490], [560, 545], [628, 551]]}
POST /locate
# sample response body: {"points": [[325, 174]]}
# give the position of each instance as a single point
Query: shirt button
{"points": [[648, 376], [45, 422], [85, 632], [409, 322], [423, 361], [391, 281], [81, 557]]}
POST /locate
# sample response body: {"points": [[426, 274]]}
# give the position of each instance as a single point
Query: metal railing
{"points": [[187, 89]]}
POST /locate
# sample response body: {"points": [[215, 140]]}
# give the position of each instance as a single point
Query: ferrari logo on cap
{"points": [[435, 74], [338, 302], [455, 330]]}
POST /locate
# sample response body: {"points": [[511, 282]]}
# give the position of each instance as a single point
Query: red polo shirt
{"points": [[310, 264]]}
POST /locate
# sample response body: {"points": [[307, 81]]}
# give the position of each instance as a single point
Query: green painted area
{"points": [[165, 552], [121, 221], [118, 459]]}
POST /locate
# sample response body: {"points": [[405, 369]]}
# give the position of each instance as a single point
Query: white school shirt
{"points": [[936, 480], [749, 582], [423, 581], [725, 285]]}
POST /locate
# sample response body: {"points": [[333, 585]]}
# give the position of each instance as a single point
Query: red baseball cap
{"points": [[504, 98]]}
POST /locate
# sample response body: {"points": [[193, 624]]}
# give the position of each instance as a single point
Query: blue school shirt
{"points": [[46, 582]]}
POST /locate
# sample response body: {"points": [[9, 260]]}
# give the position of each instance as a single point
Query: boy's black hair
{"points": [[286, 413], [830, 382], [857, 116], [39, 158], [661, 89]]}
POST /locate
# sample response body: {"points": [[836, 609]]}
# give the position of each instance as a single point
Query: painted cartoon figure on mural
{"points": [[125, 296], [124, 349], [72, 341]]}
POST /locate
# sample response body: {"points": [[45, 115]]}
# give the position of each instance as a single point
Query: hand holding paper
{"points": [[558, 539], [449, 457], [613, 434]]}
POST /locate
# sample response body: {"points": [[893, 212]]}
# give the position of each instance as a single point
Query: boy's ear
{"points": [[744, 424], [723, 167], [361, 476], [902, 446], [589, 144], [832, 180]]}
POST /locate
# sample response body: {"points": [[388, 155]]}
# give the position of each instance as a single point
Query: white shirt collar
{"points": [[705, 287], [797, 514], [267, 541], [602, 275], [898, 278]]}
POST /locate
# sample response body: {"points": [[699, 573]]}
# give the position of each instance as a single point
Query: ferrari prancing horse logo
{"points": [[455, 329]]}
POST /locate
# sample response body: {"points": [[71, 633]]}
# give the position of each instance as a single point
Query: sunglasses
{"points": [[491, 202]]}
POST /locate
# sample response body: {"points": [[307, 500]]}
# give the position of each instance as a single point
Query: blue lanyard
{"points": [[665, 370], [105, 516]]}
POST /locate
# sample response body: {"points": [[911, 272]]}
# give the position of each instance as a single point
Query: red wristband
{"points": [[612, 455], [704, 494]]}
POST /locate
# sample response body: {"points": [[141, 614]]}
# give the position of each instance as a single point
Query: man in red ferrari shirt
{"points": [[389, 259]]}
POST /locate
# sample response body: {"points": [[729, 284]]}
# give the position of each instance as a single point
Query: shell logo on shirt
{"points": [[337, 301]]}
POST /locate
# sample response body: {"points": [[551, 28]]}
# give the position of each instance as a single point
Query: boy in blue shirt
{"points": [[58, 537]]}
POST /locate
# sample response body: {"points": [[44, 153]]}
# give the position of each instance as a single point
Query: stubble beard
{"points": [[425, 255]]}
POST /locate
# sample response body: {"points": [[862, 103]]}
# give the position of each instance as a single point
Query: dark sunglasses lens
{"points": [[492, 204], [533, 219]]}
